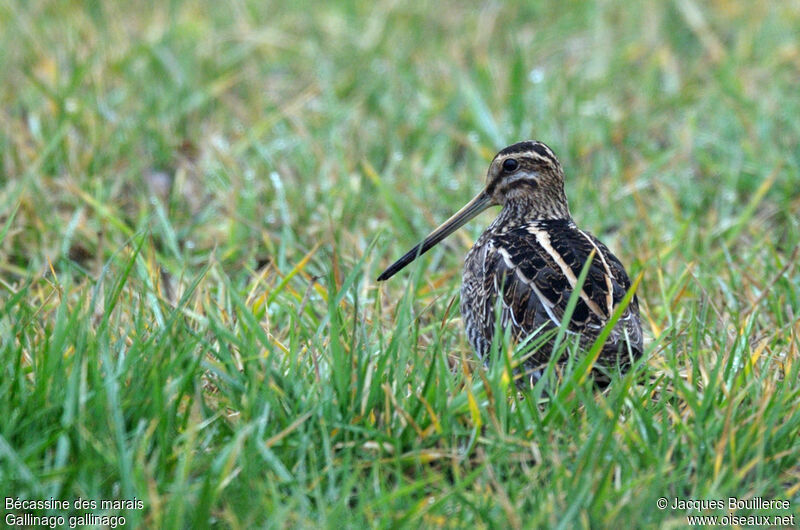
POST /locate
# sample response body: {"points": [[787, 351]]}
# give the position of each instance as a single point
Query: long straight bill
{"points": [[459, 219]]}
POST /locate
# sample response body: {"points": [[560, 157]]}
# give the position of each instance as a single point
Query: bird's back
{"points": [[528, 270]]}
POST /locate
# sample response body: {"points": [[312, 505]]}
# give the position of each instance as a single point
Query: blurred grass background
{"points": [[196, 199]]}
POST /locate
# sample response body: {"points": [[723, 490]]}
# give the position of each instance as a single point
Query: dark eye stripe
{"points": [[530, 183]]}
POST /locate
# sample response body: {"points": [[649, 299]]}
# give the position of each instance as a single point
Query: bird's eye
{"points": [[510, 164]]}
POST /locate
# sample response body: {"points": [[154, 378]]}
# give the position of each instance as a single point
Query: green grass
{"points": [[195, 201]]}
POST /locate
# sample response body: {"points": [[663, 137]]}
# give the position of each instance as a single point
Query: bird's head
{"points": [[525, 178], [529, 177]]}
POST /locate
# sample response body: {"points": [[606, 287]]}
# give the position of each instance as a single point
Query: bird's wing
{"points": [[629, 326], [538, 265]]}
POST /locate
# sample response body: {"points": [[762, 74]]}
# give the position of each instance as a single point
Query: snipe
{"points": [[530, 258]]}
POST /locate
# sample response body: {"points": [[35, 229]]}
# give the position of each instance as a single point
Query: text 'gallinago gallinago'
{"points": [[530, 257]]}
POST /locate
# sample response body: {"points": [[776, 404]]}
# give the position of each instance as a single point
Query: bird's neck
{"points": [[524, 209]]}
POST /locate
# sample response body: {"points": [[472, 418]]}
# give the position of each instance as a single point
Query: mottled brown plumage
{"points": [[528, 260]]}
